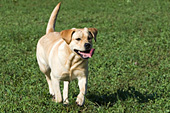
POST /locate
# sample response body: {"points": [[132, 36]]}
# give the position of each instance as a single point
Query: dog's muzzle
{"points": [[85, 54]]}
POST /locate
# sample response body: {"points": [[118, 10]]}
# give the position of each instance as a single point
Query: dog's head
{"points": [[80, 40]]}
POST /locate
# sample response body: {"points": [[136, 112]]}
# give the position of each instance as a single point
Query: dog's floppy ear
{"points": [[93, 32], [67, 35]]}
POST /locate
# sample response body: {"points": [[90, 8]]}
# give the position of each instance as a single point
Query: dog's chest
{"points": [[77, 68], [73, 75]]}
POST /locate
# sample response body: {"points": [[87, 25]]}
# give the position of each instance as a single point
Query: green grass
{"points": [[129, 72]]}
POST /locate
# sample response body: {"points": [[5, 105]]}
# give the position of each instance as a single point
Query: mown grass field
{"points": [[129, 72]]}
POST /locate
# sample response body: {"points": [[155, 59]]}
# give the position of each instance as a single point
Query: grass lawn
{"points": [[129, 72]]}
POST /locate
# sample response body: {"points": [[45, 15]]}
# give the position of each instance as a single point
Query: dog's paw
{"points": [[80, 100], [66, 102], [51, 91], [56, 100]]}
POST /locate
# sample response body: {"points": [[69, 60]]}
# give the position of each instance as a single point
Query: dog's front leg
{"points": [[65, 93], [82, 82], [56, 88]]}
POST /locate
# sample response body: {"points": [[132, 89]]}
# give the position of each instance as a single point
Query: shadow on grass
{"points": [[111, 99]]}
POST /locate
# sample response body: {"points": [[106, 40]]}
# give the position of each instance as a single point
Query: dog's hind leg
{"points": [[44, 67], [46, 70], [48, 78]]}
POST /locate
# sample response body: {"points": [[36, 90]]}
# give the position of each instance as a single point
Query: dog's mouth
{"points": [[85, 54]]}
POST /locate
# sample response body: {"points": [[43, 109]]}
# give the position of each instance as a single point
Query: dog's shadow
{"points": [[110, 99]]}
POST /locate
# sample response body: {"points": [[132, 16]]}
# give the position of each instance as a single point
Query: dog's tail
{"points": [[52, 20]]}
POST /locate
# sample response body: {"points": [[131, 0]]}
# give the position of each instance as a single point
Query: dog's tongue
{"points": [[87, 55]]}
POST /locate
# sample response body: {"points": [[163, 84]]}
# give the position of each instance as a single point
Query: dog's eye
{"points": [[78, 39]]}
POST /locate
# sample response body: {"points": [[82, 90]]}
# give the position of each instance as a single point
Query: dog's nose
{"points": [[87, 45]]}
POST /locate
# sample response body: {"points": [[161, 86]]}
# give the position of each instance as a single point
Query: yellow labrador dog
{"points": [[64, 56]]}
